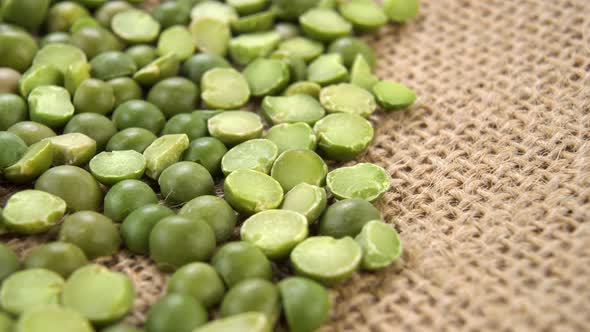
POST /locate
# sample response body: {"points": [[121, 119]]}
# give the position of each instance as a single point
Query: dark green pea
{"points": [[171, 13], [350, 47], [31, 165], [91, 4], [138, 225], [106, 12], [17, 49], [137, 139], [94, 96], [176, 241], [237, 261], [9, 80], [31, 132], [347, 218], [207, 151], [195, 67], [92, 232], [257, 22], [200, 281], [63, 258], [95, 40], [96, 126], [122, 328], [139, 114], [13, 109], [207, 114], [290, 10], [125, 89], [214, 211], [66, 182], [63, 15], [193, 125], [184, 181], [174, 96], [109, 65], [305, 302], [12, 148], [143, 55], [126, 196], [56, 38], [9, 262], [253, 295], [175, 313], [84, 22], [28, 14]]}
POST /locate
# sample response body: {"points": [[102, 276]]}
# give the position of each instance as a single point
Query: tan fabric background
{"points": [[491, 175]]}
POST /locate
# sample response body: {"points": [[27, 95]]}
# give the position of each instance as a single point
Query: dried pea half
{"points": [[189, 280], [239, 261], [380, 243], [293, 167], [267, 76], [348, 98], [41, 75], [29, 289], [311, 89], [12, 148], [307, 199], [135, 26], [136, 139], [303, 47], [60, 56], [214, 9], [401, 10], [343, 136], [50, 105], [365, 181], [72, 149], [163, 67], [256, 154], [292, 109], [251, 191], [257, 22], [211, 35], [65, 182], [365, 15], [216, 212], [110, 168], [361, 74], [292, 136], [324, 24], [327, 69], [250, 321], [32, 164], [247, 47], [163, 152], [347, 218], [245, 7], [224, 88], [235, 127], [393, 96], [60, 257], [53, 318], [178, 40]]}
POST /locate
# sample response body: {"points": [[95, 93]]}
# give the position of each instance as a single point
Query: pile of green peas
{"points": [[126, 120]]}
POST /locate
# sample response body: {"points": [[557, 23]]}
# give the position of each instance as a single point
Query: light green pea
{"points": [[291, 109], [262, 21], [245, 7], [224, 88], [304, 47], [324, 24], [214, 9], [113, 64], [30, 289], [327, 69], [256, 154], [365, 15], [348, 98], [343, 136], [304, 87], [53, 318], [365, 181], [307, 199], [37, 76], [251, 191], [33, 211], [75, 75], [177, 40], [293, 167], [250, 321], [31, 132], [247, 47], [60, 56], [50, 105], [135, 26], [163, 67], [292, 136], [110, 168], [380, 243], [163, 152], [296, 64], [211, 35], [361, 74], [393, 96], [401, 10], [267, 76], [32, 164], [235, 127], [72, 149], [306, 304]]}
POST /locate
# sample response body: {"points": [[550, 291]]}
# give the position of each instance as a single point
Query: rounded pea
{"points": [[365, 15], [138, 225], [293, 167], [185, 181], [237, 261], [200, 281], [94, 96], [92, 232], [112, 167], [174, 96], [53, 318], [96, 126], [8, 81], [9, 262], [350, 47], [28, 289], [306, 303], [122, 328], [28, 14], [211, 35], [139, 114], [176, 241], [125, 89], [55, 38], [234, 127], [137, 139], [65, 182], [401, 10], [142, 55], [324, 24], [31, 132], [33, 211], [207, 151], [17, 49], [32, 164], [214, 211], [12, 148], [393, 96], [94, 40], [196, 66], [161, 68], [380, 243], [38, 76], [251, 191], [126, 196], [175, 312], [347, 218], [60, 257], [63, 15], [110, 65], [135, 26], [171, 13], [225, 88], [107, 11], [253, 295], [343, 136]]}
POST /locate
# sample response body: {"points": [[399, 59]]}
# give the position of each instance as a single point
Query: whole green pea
{"points": [[207, 151], [199, 280], [106, 12], [66, 182], [63, 15], [13, 109], [237, 261], [347, 218], [175, 313], [17, 49], [9, 79], [31, 132], [92, 232], [9, 262], [191, 124], [12, 148], [184, 181], [252, 295], [125, 89], [174, 95], [139, 114], [195, 67], [96, 126], [138, 225], [216, 212], [171, 13], [110, 65], [305, 302], [56, 38], [143, 55], [95, 40], [61, 257], [137, 139], [94, 96], [126, 196]]}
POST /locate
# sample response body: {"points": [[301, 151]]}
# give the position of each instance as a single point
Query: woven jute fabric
{"points": [[490, 169]]}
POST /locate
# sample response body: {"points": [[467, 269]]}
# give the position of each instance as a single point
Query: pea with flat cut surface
{"points": [[311, 89], [380, 243], [326, 259], [92, 232], [247, 47], [56, 37], [214, 211], [138, 225], [287, 30], [361, 74], [324, 24], [207, 151], [60, 56], [12, 148], [235, 127], [72, 149], [161, 68], [174, 96], [401, 10], [365, 15], [142, 54], [178, 40], [306, 303], [196, 66], [63, 15], [175, 312], [211, 35], [37, 76], [303, 47], [292, 136], [297, 66], [257, 22], [251, 191], [292, 109], [267, 76], [29, 14], [125, 89], [250, 321], [50, 105], [28, 289], [350, 47], [126, 196], [275, 232], [122, 328], [293, 167], [53, 319], [164, 152], [9, 262], [171, 13], [177, 241], [13, 108], [347, 218], [307, 199], [6, 322], [225, 88], [135, 26], [253, 295], [96, 126], [185, 181], [112, 167], [75, 75], [245, 7], [139, 114], [238, 261], [200, 281], [18, 49], [256, 154], [98, 294], [328, 69], [105, 13], [214, 9], [110, 65], [31, 132], [94, 96], [365, 181], [393, 96], [62, 258], [348, 98], [33, 163], [65, 182], [343, 136], [136, 139]]}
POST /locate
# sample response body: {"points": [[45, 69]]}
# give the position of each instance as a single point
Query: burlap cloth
{"points": [[491, 175]]}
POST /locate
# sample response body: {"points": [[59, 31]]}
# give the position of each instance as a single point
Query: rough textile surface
{"points": [[491, 175]]}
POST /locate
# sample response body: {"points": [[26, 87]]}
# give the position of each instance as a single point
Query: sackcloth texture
{"points": [[490, 169]]}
